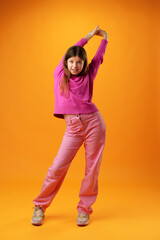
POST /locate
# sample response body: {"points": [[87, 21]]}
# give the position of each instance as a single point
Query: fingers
{"points": [[97, 27], [96, 30]]}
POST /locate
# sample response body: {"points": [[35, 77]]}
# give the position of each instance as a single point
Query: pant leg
{"points": [[94, 145], [56, 173]]}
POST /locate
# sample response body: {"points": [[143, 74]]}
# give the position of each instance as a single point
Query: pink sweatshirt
{"points": [[80, 87]]}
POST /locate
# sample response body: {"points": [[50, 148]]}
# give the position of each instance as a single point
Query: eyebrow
{"points": [[80, 60]]}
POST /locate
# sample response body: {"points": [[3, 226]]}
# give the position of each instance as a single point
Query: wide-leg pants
{"points": [[89, 129]]}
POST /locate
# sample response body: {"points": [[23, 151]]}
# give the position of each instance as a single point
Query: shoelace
{"points": [[38, 212], [82, 216]]}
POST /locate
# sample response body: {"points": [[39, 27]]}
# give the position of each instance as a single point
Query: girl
{"points": [[73, 87]]}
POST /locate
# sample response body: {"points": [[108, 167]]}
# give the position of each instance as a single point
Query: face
{"points": [[75, 65]]}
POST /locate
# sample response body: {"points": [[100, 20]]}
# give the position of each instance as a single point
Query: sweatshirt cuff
{"points": [[104, 40], [81, 42]]}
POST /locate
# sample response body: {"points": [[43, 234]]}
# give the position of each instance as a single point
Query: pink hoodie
{"points": [[80, 87]]}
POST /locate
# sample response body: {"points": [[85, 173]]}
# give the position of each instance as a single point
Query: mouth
{"points": [[75, 72]]}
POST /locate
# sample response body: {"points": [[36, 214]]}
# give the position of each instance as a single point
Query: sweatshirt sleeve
{"points": [[98, 59], [59, 70]]}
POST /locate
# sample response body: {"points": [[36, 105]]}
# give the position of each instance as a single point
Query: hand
{"points": [[95, 31], [92, 33], [101, 33]]}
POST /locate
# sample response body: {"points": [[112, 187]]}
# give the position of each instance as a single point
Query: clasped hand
{"points": [[99, 32]]}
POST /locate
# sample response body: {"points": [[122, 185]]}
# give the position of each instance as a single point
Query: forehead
{"points": [[75, 58]]}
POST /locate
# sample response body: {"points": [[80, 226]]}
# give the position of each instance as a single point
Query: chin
{"points": [[74, 74], [77, 73]]}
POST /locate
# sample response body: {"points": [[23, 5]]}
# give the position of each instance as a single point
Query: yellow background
{"points": [[34, 36]]}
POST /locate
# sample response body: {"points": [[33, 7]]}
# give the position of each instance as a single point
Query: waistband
{"points": [[78, 115]]}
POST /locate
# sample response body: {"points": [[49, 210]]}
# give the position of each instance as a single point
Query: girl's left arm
{"points": [[98, 58]]}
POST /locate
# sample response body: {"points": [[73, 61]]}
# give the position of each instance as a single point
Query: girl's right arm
{"points": [[59, 70]]}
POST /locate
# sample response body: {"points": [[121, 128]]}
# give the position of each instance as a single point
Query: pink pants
{"points": [[90, 129]]}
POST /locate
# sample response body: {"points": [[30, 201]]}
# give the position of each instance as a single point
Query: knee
{"points": [[53, 172]]}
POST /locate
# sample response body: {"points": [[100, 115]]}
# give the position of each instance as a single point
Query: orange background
{"points": [[34, 36]]}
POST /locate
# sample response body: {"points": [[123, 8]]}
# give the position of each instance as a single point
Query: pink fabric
{"points": [[80, 87], [87, 128]]}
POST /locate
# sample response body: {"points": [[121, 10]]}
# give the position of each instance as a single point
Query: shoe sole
{"points": [[36, 223]]}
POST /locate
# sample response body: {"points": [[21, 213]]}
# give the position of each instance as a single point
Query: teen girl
{"points": [[73, 89]]}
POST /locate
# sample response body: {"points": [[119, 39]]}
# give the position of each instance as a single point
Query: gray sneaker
{"points": [[83, 219], [38, 216]]}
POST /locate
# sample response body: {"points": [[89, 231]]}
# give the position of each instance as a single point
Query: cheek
{"points": [[80, 66], [69, 66], [83, 64]]}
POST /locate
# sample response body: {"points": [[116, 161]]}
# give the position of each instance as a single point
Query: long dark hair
{"points": [[72, 52]]}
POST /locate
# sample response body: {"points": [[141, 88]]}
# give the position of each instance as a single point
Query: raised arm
{"points": [[59, 70], [98, 58]]}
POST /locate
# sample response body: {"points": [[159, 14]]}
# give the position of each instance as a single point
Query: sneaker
{"points": [[38, 216], [83, 219]]}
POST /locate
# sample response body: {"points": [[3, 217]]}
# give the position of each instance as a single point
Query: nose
{"points": [[74, 64]]}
